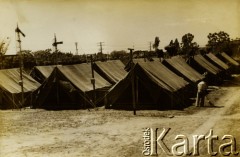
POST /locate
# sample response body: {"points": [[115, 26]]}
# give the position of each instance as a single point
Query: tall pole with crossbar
{"points": [[55, 44], [18, 31]]}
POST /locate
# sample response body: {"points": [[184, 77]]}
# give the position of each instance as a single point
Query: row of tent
{"points": [[149, 83]]}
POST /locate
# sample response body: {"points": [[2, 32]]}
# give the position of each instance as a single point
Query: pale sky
{"points": [[119, 24]]}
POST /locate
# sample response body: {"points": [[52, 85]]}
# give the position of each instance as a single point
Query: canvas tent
{"points": [[113, 71], [158, 69], [155, 87], [216, 61], [70, 87], [137, 60], [202, 65], [229, 59], [233, 64], [161, 72], [206, 65], [10, 90], [178, 65], [41, 73]]}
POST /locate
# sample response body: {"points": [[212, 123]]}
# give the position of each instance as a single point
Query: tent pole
{"points": [[133, 94], [133, 82], [57, 86], [57, 91], [31, 100], [105, 99], [13, 103], [136, 91], [1, 97], [84, 101], [93, 82]]}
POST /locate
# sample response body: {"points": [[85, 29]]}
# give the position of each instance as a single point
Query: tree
{"points": [[170, 49], [3, 49], [173, 48], [218, 42], [101, 56], [155, 46], [118, 54], [43, 57], [188, 47], [156, 43], [177, 46], [28, 59]]}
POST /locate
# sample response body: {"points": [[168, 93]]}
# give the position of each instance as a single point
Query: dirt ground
{"points": [[107, 133]]}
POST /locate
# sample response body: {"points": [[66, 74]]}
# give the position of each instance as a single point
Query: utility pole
{"points": [[131, 54], [150, 46], [101, 47], [133, 81], [76, 44], [18, 31], [101, 50], [55, 44]]}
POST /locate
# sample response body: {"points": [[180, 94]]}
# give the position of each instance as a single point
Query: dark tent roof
{"points": [[113, 70], [163, 74], [206, 64], [181, 66], [136, 60], [230, 59], [10, 78], [217, 61], [155, 87], [71, 87], [80, 75], [11, 90], [41, 73]]}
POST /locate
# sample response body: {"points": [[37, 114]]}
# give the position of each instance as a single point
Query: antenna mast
{"points": [[55, 44], [18, 31]]}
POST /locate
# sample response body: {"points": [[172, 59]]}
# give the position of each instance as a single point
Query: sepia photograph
{"points": [[119, 78]]}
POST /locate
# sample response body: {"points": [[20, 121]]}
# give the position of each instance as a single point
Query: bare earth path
{"points": [[114, 133]]}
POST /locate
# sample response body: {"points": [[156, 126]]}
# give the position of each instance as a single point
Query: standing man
{"points": [[201, 93]]}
